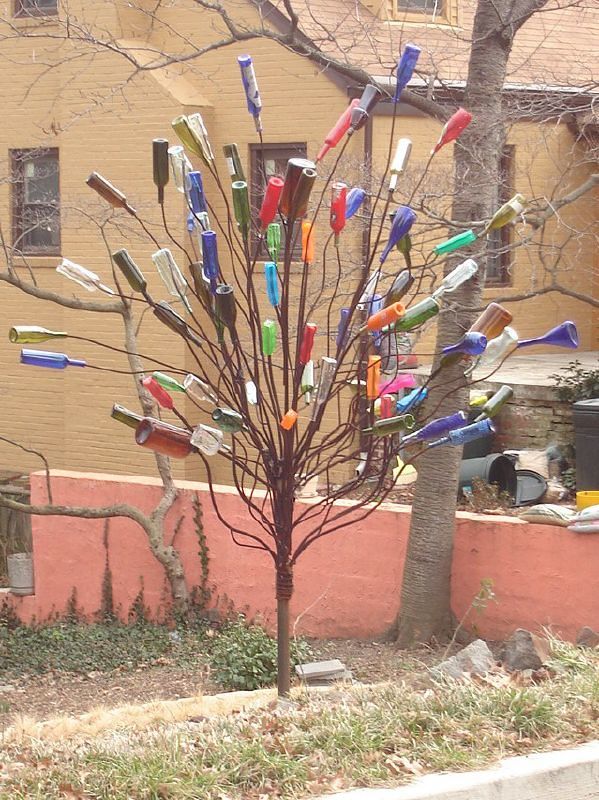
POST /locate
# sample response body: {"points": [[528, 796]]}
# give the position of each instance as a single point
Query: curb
{"points": [[556, 775]]}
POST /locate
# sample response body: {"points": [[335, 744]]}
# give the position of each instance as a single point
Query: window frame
{"points": [[504, 237], [257, 181], [22, 11], [446, 14], [18, 159]]}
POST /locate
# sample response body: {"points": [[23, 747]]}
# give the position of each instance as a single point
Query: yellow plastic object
{"points": [[586, 499]]}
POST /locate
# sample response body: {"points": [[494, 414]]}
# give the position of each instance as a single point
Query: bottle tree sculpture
{"points": [[296, 377]]}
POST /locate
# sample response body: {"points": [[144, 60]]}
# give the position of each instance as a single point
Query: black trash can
{"points": [[494, 469], [585, 414]]}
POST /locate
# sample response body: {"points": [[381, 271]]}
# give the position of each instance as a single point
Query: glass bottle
{"points": [[45, 358], [198, 390], [250, 87], [498, 348], [110, 193], [507, 213], [355, 198], [495, 403], [228, 419], [307, 382], [308, 239], [288, 419], [343, 327], [207, 440], [471, 344], [438, 427], [338, 130], [171, 275], [462, 273], [492, 321], [457, 241], [122, 414], [400, 161], [233, 161], [362, 111], [168, 383], [387, 316], [160, 166], [183, 130], [301, 195], [169, 317], [163, 438], [269, 337], [241, 206], [307, 342], [405, 69], [390, 425], [273, 240], [401, 285], [32, 334], [338, 206], [210, 258], [328, 368], [454, 126], [403, 219], [468, 433], [251, 393], [180, 166], [272, 283], [159, 394], [411, 400], [373, 376], [418, 314], [200, 134], [225, 307], [270, 203], [295, 168], [131, 272], [81, 275]]}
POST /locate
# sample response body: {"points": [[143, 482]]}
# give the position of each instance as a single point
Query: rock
{"points": [[524, 650], [476, 659], [321, 671], [587, 637]]}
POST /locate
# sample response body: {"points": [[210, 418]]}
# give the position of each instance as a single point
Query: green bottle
{"points": [[169, 317], [30, 334], [131, 272], [228, 420], [418, 314], [495, 403], [201, 285], [269, 337], [404, 246], [461, 240], [168, 383], [233, 160], [399, 288], [385, 427], [241, 206], [224, 306], [508, 212], [273, 240], [122, 414]]}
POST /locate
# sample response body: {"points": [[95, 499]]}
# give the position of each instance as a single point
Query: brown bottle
{"points": [[295, 167], [109, 192], [163, 438], [492, 321]]}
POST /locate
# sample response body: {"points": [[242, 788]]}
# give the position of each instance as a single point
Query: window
{"points": [[499, 252], [35, 202], [267, 160], [435, 7], [36, 8]]}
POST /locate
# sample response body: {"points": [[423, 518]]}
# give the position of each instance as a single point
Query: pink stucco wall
{"points": [[347, 584]]}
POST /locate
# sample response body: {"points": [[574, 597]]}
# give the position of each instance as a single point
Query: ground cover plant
{"points": [[361, 736]]}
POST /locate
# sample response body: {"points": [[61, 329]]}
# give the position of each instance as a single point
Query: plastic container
{"points": [[494, 469], [585, 415], [585, 499]]}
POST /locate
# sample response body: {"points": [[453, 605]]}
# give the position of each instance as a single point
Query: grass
{"points": [[359, 737]]}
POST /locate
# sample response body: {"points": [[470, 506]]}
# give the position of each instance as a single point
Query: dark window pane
{"points": [[427, 6], [36, 201], [36, 8], [266, 161]]}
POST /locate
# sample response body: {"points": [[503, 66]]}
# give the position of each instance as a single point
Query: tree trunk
{"points": [[173, 567], [284, 592], [425, 612]]}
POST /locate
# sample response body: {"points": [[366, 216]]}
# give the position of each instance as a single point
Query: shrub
{"points": [[245, 657]]}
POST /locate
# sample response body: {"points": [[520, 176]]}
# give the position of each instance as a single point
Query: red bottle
{"points": [[163, 438], [453, 128], [338, 204], [269, 206], [307, 342], [159, 394], [340, 128]]}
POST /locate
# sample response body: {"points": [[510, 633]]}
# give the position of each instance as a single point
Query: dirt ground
{"points": [[56, 693]]}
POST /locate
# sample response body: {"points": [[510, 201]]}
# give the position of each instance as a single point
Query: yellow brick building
{"points": [[83, 84]]}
